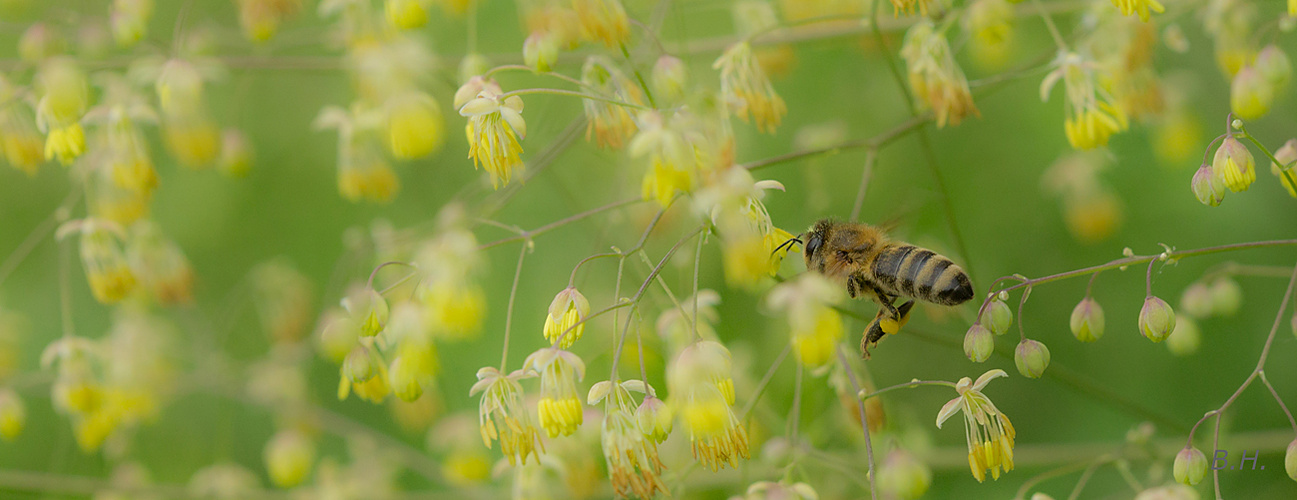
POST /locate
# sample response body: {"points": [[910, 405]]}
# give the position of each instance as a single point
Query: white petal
{"points": [[636, 386], [947, 411], [480, 386], [514, 102], [987, 377], [479, 106], [515, 120], [1048, 83], [598, 392], [575, 361], [769, 184]]}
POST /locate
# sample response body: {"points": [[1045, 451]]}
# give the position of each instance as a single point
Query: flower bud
{"points": [[236, 154], [414, 125], [654, 418], [1290, 460], [669, 78], [1156, 319], [404, 378], [565, 311], [1190, 466], [338, 334], [997, 317], [1196, 301], [289, 456], [12, 414], [1274, 66], [359, 365], [369, 309], [1286, 154], [1226, 297], [1087, 320], [1185, 338], [540, 51], [1250, 95], [978, 343], [39, 42], [1233, 164], [1032, 358], [406, 14], [1041, 496], [902, 476], [472, 65], [1207, 187]]}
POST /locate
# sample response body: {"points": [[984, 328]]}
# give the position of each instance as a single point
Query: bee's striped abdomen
{"points": [[921, 273]]}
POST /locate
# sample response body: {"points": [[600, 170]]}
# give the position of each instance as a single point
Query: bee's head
{"points": [[815, 237]]}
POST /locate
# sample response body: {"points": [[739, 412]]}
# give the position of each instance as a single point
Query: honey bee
{"points": [[871, 265]]}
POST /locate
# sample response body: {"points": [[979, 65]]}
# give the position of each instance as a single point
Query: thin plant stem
{"points": [[65, 287], [864, 421], [1277, 399], [639, 77], [571, 93], [508, 314], [526, 235], [698, 257], [1053, 30], [621, 340], [40, 232], [1045, 476], [370, 282], [871, 155], [764, 382], [913, 383], [1085, 479], [795, 420]]}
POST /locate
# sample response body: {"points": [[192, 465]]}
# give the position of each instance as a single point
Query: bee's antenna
{"points": [[789, 243]]}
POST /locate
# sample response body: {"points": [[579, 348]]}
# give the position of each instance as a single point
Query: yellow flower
{"points": [[747, 88], [107, 269], [129, 159], [989, 433], [455, 311], [12, 414], [568, 307], [374, 181], [373, 389], [672, 164], [236, 154], [935, 76], [816, 327], [654, 417], [160, 264], [1233, 164], [602, 21], [466, 468], [65, 143], [991, 24], [289, 456], [494, 128], [414, 127], [1092, 217], [631, 456], [369, 309], [1250, 94], [1177, 137], [261, 18], [1142, 7], [195, 141], [1091, 118], [559, 408], [610, 124], [282, 296], [130, 20], [20, 140], [702, 390], [406, 14], [503, 417], [412, 370]]}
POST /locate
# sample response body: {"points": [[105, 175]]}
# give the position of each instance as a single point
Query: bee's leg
{"points": [[904, 311], [873, 333], [852, 289]]}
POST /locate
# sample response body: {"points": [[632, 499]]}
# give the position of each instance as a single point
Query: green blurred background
{"points": [[992, 167]]}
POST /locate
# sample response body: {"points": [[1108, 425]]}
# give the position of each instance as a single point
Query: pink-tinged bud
{"points": [[978, 343], [997, 317], [669, 78], [1156, 319], [1274, 66], [1290, 460], [1032, 358], [903, 476], [1196, 300], [540, 51], [1209, 189], [1287, 154], [1250, 94], [1186, 337], [1190, 466], [1087, 320], [359, 365], [1226, 297]]}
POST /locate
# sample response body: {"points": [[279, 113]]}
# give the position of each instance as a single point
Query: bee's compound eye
{"points": [[813, 245]]}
